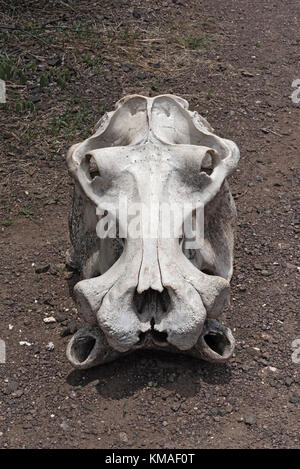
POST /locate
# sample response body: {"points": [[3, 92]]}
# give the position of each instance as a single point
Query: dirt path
{"points": [[65, 65]]}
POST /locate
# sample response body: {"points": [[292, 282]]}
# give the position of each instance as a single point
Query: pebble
{"points": [[245, 73], [289, 381], [49, 320], [70, 329], [61, 317], [294, 398], [64, 426], [254, 351], [27, 426], [270, 369], [175, 407], [41, 269], [68, 275], [50, 346], [123, 437], [250, 419]]}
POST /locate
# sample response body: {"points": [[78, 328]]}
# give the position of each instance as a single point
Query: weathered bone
{"points": [[151, 291]]}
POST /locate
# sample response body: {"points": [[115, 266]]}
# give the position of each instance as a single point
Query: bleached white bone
{"points": [[151, 292]]}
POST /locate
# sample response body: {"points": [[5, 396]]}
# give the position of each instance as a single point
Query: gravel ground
{"points": [[65, 64]]}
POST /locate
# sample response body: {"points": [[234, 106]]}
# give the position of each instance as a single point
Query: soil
{"points": [[65, 63]]}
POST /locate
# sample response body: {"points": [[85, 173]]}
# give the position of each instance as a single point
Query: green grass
{"points": [[10, 71], [128, 36], [7, 221], [195, 42], [70, 122]]}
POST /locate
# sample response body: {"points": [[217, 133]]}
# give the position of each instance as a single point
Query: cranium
{"points": [[151, 291]]}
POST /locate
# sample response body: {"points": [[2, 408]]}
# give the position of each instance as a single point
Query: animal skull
{"points": [[151, 291]]}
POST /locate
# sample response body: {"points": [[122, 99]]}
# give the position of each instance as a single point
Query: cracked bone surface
{"points": [[151, 226]]}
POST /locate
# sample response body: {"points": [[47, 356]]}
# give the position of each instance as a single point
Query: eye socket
{"points": [[207, 164], [91, 166], [207, 161]]}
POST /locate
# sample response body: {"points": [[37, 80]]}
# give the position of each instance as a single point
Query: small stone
{"points": [[127, 67], [245, 73], [41, 269], [55, 60], [165, 423], [49, 320], [270, 370], [36, 350], [294, 398], [250, 419], [68, 275], [70, 329], [64, 426], [72, 326], [141, 75], [8, 302], [50, 347], [123, 437], [267, 337], [61, 317], [136, 13], [175, 407], [229, 409], [289, 381], [18, 393], [254, 351], [34, 98], [27, 426]]}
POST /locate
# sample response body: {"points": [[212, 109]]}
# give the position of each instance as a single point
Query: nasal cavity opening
{"points": [[159, 337], [82, 348], [218, 342], [151, 301]]}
